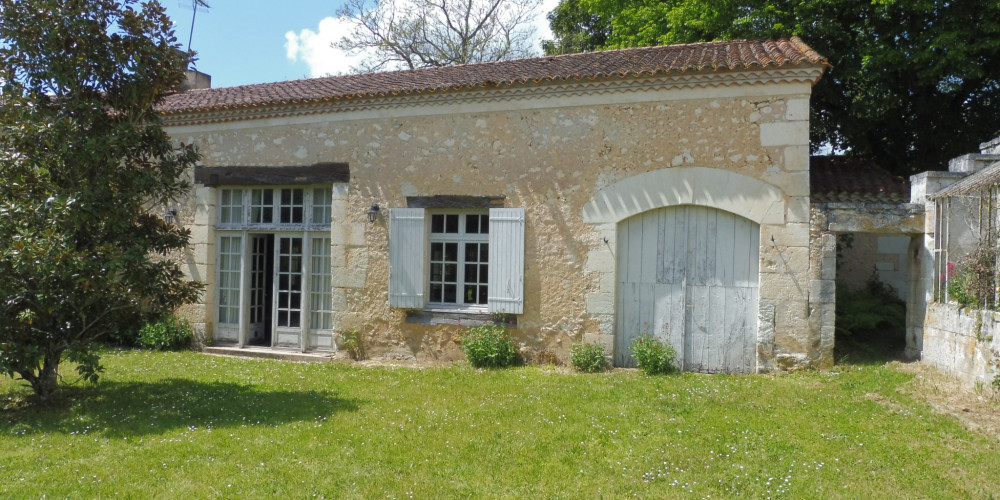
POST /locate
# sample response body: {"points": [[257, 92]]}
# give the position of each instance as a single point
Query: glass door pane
{"points": [[289, 306]]}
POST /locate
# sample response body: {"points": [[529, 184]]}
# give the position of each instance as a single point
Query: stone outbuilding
{"points": [[581, 198]]}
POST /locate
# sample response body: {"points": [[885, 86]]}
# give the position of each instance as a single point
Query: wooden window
{"points": [[320, 291], [231, 207], [321, 203], [230, 264], [292, 206], [459, 266], [475, 259], [261, 206]]}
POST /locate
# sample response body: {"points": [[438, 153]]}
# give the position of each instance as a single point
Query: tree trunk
{"points": [[47, 381]]}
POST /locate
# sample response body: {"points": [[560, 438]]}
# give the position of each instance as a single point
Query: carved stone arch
{"points": [[745, 196]]}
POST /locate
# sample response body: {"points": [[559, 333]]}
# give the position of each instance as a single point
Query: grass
{"points": [[175, 425]]}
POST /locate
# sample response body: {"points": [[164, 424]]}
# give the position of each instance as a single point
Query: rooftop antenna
{"points": [[194, 6]]}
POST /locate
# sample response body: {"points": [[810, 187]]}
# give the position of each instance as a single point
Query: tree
{"points": [[84, 163], [409, 34], [913, 83]]}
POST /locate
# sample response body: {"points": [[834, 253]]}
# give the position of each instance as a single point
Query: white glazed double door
{"points": [[689, 275], [274, 290]]}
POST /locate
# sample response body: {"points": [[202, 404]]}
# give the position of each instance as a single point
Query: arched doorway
{"points": [[689, 275]]}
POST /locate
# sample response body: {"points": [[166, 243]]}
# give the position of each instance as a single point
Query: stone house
{"points": [[589, 197]]}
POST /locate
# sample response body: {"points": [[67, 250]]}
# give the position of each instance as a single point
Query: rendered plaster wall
{"points": [[552, 160], [884, 255], [963, 342]]}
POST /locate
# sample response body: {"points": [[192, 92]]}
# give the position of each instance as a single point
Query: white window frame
{"points": [[460, 239], [311, 194]]}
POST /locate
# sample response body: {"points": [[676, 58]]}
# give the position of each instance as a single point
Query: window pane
{"points": [[451, 223], [471, 252], [483, 296], [450, 272], [437, 292], [472, 224], [437, 271], [470, 273], [322, 199], [449, 294], [291, 206], [451, 252]]}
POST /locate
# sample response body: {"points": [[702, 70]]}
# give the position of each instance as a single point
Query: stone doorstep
{"points": [[270, 353]]}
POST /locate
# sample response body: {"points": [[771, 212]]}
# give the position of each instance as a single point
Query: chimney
{"points": [[194, 80]]}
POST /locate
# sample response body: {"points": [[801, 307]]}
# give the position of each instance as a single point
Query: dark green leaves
{"points": [[84, 162]]}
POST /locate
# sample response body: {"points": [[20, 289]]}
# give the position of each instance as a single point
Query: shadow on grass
{"points": [[874, 350], [117, 409]]}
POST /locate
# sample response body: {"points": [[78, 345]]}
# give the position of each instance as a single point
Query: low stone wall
{"points": [[963, 342]]}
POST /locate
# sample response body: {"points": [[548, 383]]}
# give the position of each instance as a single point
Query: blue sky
{"points": [[255, 41]]}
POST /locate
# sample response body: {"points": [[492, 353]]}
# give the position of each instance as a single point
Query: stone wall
{"points": [[553, 157], [963, 342]]}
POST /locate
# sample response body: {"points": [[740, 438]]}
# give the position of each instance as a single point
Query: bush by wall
{"points": [[168, 334], [587, 357], [653, 356], [489, 346]]}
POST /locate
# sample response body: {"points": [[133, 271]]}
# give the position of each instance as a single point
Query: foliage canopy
{"points": [[85, 164], [913, 83]]}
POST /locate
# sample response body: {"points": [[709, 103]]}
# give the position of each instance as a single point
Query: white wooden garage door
{"points": [[689, 275]]}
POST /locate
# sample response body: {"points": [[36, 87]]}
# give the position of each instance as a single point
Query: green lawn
{"points": [[187, 425]]}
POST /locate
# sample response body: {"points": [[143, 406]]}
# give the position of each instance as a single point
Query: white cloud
{"points": [[313, 47]]}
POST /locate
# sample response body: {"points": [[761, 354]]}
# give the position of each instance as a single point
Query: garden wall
{"points": [[961, 341]]}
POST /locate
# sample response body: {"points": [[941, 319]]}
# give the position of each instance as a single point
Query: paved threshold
{"points": [[269, 353]]}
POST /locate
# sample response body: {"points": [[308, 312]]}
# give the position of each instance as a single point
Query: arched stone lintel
{"points": [[745, 196]]}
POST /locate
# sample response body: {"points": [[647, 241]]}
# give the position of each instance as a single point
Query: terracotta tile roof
{"points": [[698, 57], [843, 179]]}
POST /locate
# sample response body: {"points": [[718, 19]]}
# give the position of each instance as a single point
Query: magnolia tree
{"points": [[85, 167]]}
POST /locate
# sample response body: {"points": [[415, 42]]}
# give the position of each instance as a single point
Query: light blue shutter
{"points": [[407, 234], [506, 285]]}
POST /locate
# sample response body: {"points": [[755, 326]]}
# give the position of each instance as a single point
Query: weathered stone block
{"points": [[784, 133], [602, 261], [351, 234], [796, 158], [797, 109], [343, 277], [600, 303], [778, 259], [792, 234]]}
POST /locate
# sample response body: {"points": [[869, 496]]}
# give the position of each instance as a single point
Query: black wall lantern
{"points": [[373, 212], [170, 215]]}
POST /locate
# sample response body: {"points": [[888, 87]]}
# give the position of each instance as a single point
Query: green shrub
{"points": [[488, 346], [654, 357], [872, 311], [587, 357], [353, 345], [166, 335]]}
